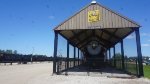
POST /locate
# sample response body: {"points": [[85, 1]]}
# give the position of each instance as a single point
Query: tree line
{"points": [[9, 51], [12, 56]]}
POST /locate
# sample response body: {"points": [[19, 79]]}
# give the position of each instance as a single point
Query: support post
{"points": [[78, 56], [114, 57], [67, 54], [109, 56], [106, 56], [139, 53], [122, 53], [55, 52], [74, 55]]}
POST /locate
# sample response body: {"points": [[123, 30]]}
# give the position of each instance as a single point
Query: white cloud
{"points": [[145, 34], [131, 37], [145, 45], [51, 17]]}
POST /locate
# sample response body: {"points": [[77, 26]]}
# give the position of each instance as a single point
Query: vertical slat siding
{"points": [[78, 18], [113, 23], [73, 23], [88, 24], [126, 23], [94, 23], [92, 8], [108, 19], [85, 18], [99, 23], [101, 18], [119, 22], [116, 19], [60, 27], [80, 15], [63, 26], [123, 22], [104, 18], [69, 24]]}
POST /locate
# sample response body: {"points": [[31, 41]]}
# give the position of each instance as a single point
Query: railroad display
{"points": [[94, 55]]}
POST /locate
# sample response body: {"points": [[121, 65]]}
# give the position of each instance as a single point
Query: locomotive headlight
{"points": [[94, 48], [94, 45]]}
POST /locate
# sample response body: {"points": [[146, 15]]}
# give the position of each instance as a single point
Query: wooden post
{"points": [[122, 53], [139, 53], [114, 56], [78, 56], [74, 55], [109, 56], [106, 56], [55, 51], [67, 54]]}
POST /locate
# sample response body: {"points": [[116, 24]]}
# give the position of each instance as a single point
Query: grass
{"points": [[147, 71], [131, 67]]}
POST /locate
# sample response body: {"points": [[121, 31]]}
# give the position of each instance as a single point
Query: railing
{"points": [[61, 64], [131, 67]]}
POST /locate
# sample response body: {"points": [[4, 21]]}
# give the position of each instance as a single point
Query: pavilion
{"points": [[104, 25]]}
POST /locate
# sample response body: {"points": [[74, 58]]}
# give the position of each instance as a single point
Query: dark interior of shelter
{"points": [[94, 32]]}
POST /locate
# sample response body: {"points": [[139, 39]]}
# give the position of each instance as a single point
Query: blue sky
{"points": [[28, 24]]}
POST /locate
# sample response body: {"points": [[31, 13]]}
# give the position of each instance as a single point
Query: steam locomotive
{"points": [[94, 55]]}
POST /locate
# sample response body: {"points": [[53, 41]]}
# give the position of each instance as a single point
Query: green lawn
{"points": [[147, 71]]}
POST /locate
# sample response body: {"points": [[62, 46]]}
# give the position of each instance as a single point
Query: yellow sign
{"points": [[93, 16]]}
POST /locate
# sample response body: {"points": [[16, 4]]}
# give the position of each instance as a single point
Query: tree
{"points": [[9, 52], [118, 55], [2, 51], [15, 52]]}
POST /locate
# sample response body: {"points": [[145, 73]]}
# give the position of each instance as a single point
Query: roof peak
{"points": [[93, 2]]}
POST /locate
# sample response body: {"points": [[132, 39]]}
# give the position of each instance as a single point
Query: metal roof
{"points": [[111, 28]]}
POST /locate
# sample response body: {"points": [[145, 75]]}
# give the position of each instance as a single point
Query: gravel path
{"points": [[42, 74]]}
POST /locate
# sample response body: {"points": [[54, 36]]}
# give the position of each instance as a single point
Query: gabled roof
{"points": [[108, 19], [108, 30]]}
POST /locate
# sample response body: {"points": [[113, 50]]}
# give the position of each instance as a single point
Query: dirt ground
{"points": [[41, 73]]}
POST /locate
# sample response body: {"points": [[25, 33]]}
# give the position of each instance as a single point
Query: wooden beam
{"points": [[73, 44], [74, 34], [101, 34], [104, 40], [84, 40], [132, 30], [113, 35], [77, 35], [100, 39], [110, 34]]}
